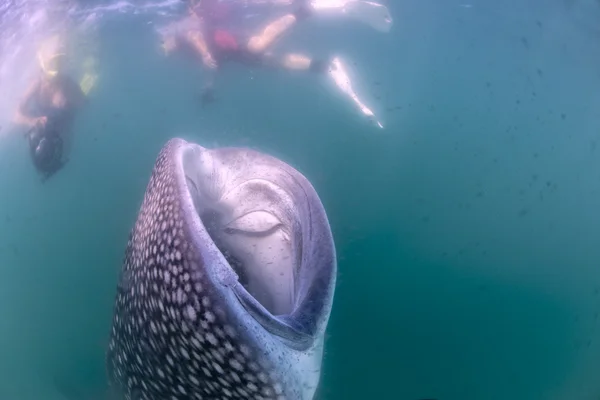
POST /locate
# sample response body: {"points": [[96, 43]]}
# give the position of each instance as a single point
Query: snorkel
{"points": [[52, 56], [52, 65]]}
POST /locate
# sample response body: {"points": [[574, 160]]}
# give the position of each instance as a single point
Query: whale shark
{"points": [[227, 283]]}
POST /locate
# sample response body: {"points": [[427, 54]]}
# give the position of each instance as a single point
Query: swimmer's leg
{"points": [[261, 42], [368, 12], [338, 73], [334, 69], [296, 62], [196, 40], [300, 62], [198, 43]]}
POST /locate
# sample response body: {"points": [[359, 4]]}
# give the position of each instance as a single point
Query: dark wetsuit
{"points": [[45, 142]]}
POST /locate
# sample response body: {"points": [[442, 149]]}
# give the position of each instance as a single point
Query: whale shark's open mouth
{"points": [[257, 247], [249, 220]]}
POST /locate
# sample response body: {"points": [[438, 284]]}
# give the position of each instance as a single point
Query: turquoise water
{"points": [[466, 230]]}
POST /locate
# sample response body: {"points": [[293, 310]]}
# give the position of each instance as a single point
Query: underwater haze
{"points": [[467, 230]]}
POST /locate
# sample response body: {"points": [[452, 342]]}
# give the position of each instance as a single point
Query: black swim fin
{"points": [[208, 96], [54, 170]]}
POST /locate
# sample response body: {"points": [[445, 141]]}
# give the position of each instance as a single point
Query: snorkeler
{"points": [[214, 32], [48, 109]]}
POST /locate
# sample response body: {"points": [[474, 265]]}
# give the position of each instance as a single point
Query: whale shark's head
{"points": [[227, 283]]}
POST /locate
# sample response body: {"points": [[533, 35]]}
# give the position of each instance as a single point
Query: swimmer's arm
{"points": [[21, 116]]}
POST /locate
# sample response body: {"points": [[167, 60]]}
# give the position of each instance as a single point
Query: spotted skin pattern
{"points": [[171, 339]]}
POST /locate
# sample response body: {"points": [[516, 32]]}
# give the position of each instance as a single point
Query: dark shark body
{"points": [[227, 283]]}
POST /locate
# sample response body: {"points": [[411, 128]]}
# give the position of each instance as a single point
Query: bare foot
{"points": [[169, 44]]}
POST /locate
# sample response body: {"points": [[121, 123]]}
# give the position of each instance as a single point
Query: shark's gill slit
{"points": [[244, 226]]}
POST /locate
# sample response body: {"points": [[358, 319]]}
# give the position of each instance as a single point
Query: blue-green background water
{"points": [[467, 231]]}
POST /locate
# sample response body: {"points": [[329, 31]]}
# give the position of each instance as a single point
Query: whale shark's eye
{"points": [[257, 223]]}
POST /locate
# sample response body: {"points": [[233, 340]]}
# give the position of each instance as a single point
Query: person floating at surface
{"points": [[49, 106], [214, 33]]}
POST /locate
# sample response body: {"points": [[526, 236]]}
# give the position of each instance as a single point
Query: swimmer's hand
{"points": [[209, 61], [35, 123], [40, 121]]}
